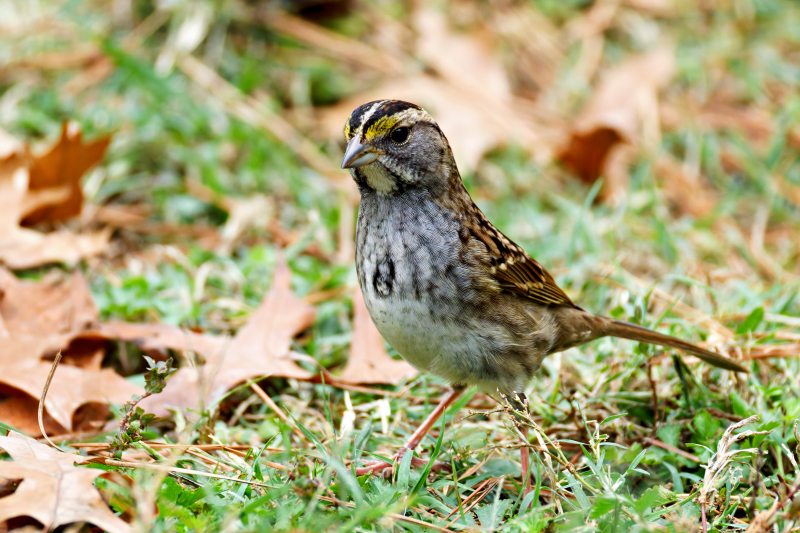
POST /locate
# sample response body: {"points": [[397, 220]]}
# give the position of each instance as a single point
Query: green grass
{"points": [[596, 401]]}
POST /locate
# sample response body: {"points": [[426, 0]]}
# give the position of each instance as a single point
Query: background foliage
{"points": [[693, 225]]}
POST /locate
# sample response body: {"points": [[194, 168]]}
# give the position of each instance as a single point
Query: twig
{"points": [[176, 470], [330, 43], [474, 493], [476, 467], [278, 411], [477, 500], [256, 113], [44, 395], [777, 350], [670, 448], [358, 388], [157, 445], [213, 462]]}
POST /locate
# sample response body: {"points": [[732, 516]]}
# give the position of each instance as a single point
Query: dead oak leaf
{"points": [[40, 318], [51, 488], [369, 361], [155, 338], [63, 246], [55, 304], [260, 348], [71, 388], [623, 109], [22, 248], [63, 165], [20, 411]]}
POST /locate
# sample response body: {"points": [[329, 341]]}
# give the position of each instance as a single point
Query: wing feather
{"points": [[514, 269]]}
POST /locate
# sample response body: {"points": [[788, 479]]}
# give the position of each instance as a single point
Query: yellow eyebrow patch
{"points": [[382, 126], [347, 129]]}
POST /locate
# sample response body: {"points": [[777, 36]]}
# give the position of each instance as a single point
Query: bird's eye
{"points": [[400, 135]]}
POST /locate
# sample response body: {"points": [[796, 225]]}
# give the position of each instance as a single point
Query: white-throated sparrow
{"points": [[451, 293]]}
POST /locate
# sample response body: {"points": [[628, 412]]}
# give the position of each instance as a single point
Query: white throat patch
{"points": [[378, 178]]}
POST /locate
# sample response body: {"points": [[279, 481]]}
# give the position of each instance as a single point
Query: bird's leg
{"points": [[525, 458], [520, 402], [416, 437]]}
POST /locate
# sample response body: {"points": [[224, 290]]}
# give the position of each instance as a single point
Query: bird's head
{"points": [[394, 145]]}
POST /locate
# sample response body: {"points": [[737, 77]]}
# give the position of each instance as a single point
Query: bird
{"points": [[450, 292]]}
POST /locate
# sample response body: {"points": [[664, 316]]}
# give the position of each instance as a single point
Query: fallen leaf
{"points": [[46, 188], [42, 317], [39, 249], [55, 304], [624, 109], [369, 361], [260, 348], [20, 411], [678, 181], [63, 165], [470, 61], [469, 97], [160, 337], [51, 488], [71, 388]]}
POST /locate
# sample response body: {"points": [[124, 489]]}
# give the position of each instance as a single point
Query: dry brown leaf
{"points": [[159, 337], [20, 411], [63, 165], [329, 42], [53, 305], [469, 97], [678, 181], [70, 389], [39, 319], [46, 188], [43, 317], [58, 247], [471, 130], [51, 488], [260, 348], [623, 109], [369, 361]]}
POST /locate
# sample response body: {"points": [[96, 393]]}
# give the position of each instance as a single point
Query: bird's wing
{"points": [[513, 269]]}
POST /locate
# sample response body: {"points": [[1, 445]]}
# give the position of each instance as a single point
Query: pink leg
{"points": [[416, 437], [525, 458]]}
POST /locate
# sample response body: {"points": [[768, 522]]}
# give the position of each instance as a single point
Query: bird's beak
{"points": [[359, 154]]}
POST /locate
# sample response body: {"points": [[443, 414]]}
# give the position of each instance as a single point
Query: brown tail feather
{"points": [[624, 330]]}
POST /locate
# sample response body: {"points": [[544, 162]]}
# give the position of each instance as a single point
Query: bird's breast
{"points": [[408, 257], [424, 290]]}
